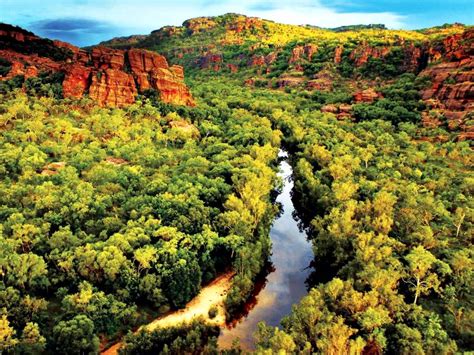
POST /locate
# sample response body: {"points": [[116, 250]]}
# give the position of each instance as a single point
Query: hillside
{"points": [[358, 63]]}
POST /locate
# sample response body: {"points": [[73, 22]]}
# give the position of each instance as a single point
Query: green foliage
{"points": [[401, 103], [104, 224], [46, 84], [185, 338], [389, 66], [9, 85], [112, 216], [75, 336], [5, 66], [325, 97], [382, 211], [358, 27]]}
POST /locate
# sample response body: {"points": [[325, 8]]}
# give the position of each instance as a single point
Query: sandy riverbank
{"points": [[213, 294]]}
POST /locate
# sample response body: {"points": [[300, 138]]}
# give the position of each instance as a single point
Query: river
{"points": [[285, 284]]}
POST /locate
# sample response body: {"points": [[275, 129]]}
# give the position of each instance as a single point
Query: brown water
{"points": [[285, 284]]}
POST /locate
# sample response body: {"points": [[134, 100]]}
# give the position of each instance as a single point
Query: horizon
{"points": [[116, 18]]}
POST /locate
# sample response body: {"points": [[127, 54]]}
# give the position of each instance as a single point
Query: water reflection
{"points": [[285, 284]]}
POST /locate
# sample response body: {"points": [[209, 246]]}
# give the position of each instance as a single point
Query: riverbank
{"points": [[212, 295], [285, 284], [273, 298]]}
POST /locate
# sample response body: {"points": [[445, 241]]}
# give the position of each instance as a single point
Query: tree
{"points": [[7, 335], [420, 268], [107, 313], [459, 216], [75, 336], [274, 341], [145, 257], [182, 280], [32, 342]]}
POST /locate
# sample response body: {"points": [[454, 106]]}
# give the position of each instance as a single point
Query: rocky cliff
{"points": [[450, 96], [111, 77]]}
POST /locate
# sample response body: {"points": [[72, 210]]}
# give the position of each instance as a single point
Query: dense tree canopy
{"points": [[110, 217], [106, 213]]}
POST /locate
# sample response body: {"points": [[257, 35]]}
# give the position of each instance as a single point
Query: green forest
{"points": [[114, 216]]}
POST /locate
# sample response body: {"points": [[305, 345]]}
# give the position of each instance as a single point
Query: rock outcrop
{"points": [[210, 61], [289, 81], [367, 96], [362, 53], [112, 87], [242, 23], [338, 54], [257, 61], [342, 111], [451, 93], [111, 77], [199, 24], [76, 80]]}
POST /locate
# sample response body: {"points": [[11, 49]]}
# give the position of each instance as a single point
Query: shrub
{"points": [[213, 311]]}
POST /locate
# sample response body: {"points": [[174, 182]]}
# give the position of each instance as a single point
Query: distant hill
{"points": [[358, 27]]}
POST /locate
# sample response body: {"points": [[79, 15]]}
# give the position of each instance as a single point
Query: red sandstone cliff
{"points": [[109, 76], [451, 73]]}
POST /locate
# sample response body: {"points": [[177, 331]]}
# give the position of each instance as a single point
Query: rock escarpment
{"points": [[111, 77], [450, 95]]}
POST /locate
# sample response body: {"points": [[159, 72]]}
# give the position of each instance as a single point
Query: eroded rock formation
{"points": [[451, 93], [368, 95], [111, 77]]}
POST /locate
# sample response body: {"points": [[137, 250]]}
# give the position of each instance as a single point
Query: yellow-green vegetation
{"points": [[391, 218], [108, 213], [224, 30], [236, 39], [112, 216]]}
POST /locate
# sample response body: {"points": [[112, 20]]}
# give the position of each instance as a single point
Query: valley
{"points": [[235, 184]]}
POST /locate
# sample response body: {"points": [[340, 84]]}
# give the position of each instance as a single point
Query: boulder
{"points": [[296, 54], [290, 81], [116, 161], [243, 23], [52, 168], [270, 58], [257, 61], [330, 108], [233, 68], [210, 61], [199, 24], [310, 50]]}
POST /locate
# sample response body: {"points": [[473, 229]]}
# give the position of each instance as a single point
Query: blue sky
{"points": [[85, 22]]}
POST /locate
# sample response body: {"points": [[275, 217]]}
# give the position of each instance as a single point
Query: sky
{"points": [[87, 22]]}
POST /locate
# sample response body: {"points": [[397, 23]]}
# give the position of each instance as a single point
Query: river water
{"points": [[285, 284]]}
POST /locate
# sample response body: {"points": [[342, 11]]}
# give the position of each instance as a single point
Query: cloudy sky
{"points": [[85, 22]]}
